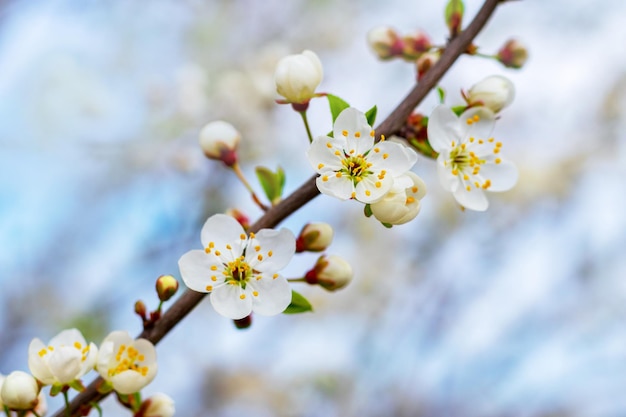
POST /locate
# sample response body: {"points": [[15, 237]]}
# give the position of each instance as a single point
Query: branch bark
{"points": [[190, 299]]}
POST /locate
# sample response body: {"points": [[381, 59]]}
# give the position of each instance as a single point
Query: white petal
{"points": [[65, 363], [274, 295], [448, 181], [353, 121], [443, 128], [393, 157], [67, 338], [129, 382], [37, 365], [480, 129], [147, 349], [105, 357], [195, 270], [503, 176], [368, 186], [417, 182], [90, 360], [319, 153], [223, 230], [227, 301], [282, 244], [474, 199], [341, 188]]}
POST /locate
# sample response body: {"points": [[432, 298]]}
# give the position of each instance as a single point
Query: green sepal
{"points": [[77, 385], [299, 304], [337, 105], [458, 110], [367, 210], [105, 387], [454, 15], [387, 225], [442, 94], [370, 115], [273, 183], [56, 389]]}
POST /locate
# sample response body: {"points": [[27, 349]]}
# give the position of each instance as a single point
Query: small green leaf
{"points": [[454, 15], [77, 385], [337, 105], [367, 210], [458, 110], [55, 389], [299, 304], [370, 115], [442, 94], [272, 183], [387, 225]]}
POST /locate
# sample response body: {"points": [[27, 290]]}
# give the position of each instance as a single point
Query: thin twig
{"points": [[190, 299]]}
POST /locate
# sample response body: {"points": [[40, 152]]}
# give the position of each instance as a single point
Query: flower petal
{"points": [[503, 176], [392, 156], [321, 154], [129, 382], [37, 365], [373, 188], [448, 181], [276, 249], [196, 270], [339, 187], [477, 122], [274, 295], [65, 363], [474, 199], [359, 136], [222, 230], [443, 128], [227, 301]]}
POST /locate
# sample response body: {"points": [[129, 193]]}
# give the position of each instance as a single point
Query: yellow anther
{"points": [[410, 200], [496, 150], [218, 253], [259, 257], [414, 189], [385, 155], [498, 160], [345, 133], [259, 277], [358, 179], [368, 193], [477, 184], [274, 276], [320, 166], [242, 296], [491, 140], [252, 235], [455, 172], [463, 146], [469, 121], [471, 139], [453, 144], [476, 117], [352, 151], [487, 184], [78, 346], [325, 178], [257, 248], [337, 153], [378, 184], [270, 253], [465, 177], [480, 141], [228, 247], [357, 135], [376, 150], [353, 195], [213, 267], [382, 138], [338, 175], [372, 133], [213, 278], [211, 245], [468, 188], [42, 352], [255, 293], [328, 145], [499, 144]]}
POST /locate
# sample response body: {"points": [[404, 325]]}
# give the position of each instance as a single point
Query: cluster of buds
{"points": [[387, 44]]}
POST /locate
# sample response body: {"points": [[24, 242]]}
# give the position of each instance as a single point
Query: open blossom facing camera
{"points": [[352, 165], [402, 203], [297, 77], [66, 358], [470, 160], [240, 271], [127, 364]]}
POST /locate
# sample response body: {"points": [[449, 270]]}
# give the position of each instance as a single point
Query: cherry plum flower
{"points": [[240, 271]]}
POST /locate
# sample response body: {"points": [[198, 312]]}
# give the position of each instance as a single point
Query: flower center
{"points": [[466, 164], [128, 359], [356, 167], [238, 272]]}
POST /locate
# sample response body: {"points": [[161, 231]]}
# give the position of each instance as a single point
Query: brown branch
{"points": [[187, 302]]}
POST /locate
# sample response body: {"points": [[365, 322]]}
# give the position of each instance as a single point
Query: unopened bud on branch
{"points": [[415, 45], [166, 287], [219, 141], [297, 77], [159, 405], [513, 54], [330, 272], [454, 16], [425, 62], [19, 391], [314, 237], [494, 92], [385, 42]]}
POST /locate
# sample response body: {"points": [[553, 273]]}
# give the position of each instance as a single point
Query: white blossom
{"points": [[402, 203], [297, 76], [495, 92]]}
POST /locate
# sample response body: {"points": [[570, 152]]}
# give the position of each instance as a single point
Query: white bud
{"points": [[19, 391], [314, 237], [330, 272], [402, 203], [494, 92], [297, 76], [219, 140], [159, 405]]}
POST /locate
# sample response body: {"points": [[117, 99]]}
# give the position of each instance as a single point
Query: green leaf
{"points": [[454, 15], [442, 94], [272, 182], [367, 210], [337, 105], [299, 304], [458, 110], [370, 115]]}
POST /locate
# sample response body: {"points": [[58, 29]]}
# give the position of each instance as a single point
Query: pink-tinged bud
{"points": [[243, 220], [330, 272], [513, 54], [166, 287], [454, 16], [385, 42], [314, 237], [140, 309], [243, 323], [159, 405], [415, 45], [219, 141], [425, 62], [20, 391], [494, 92], [297, 77]]}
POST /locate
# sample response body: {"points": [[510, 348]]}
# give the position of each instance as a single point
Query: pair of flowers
{"points": [[127, 365]]}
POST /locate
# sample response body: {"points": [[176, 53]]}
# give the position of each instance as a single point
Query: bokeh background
{"points": [[519, 311]]}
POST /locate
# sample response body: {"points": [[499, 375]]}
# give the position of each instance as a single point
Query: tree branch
{"points": [[189, 299]]}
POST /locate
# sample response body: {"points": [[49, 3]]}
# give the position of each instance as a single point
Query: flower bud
{"points": [[243, 220], [424, 62], [159, 405], [415, 45], [166, 286], [385, 42], [513, 54], [19, 391], [297, 77], [330, 272], [219, 141], [314, 237], [402, 203], [454, 16], [494, 92], [140, 309]]}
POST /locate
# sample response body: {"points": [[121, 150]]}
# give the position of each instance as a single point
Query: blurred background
{"points": [[518, 311]]}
